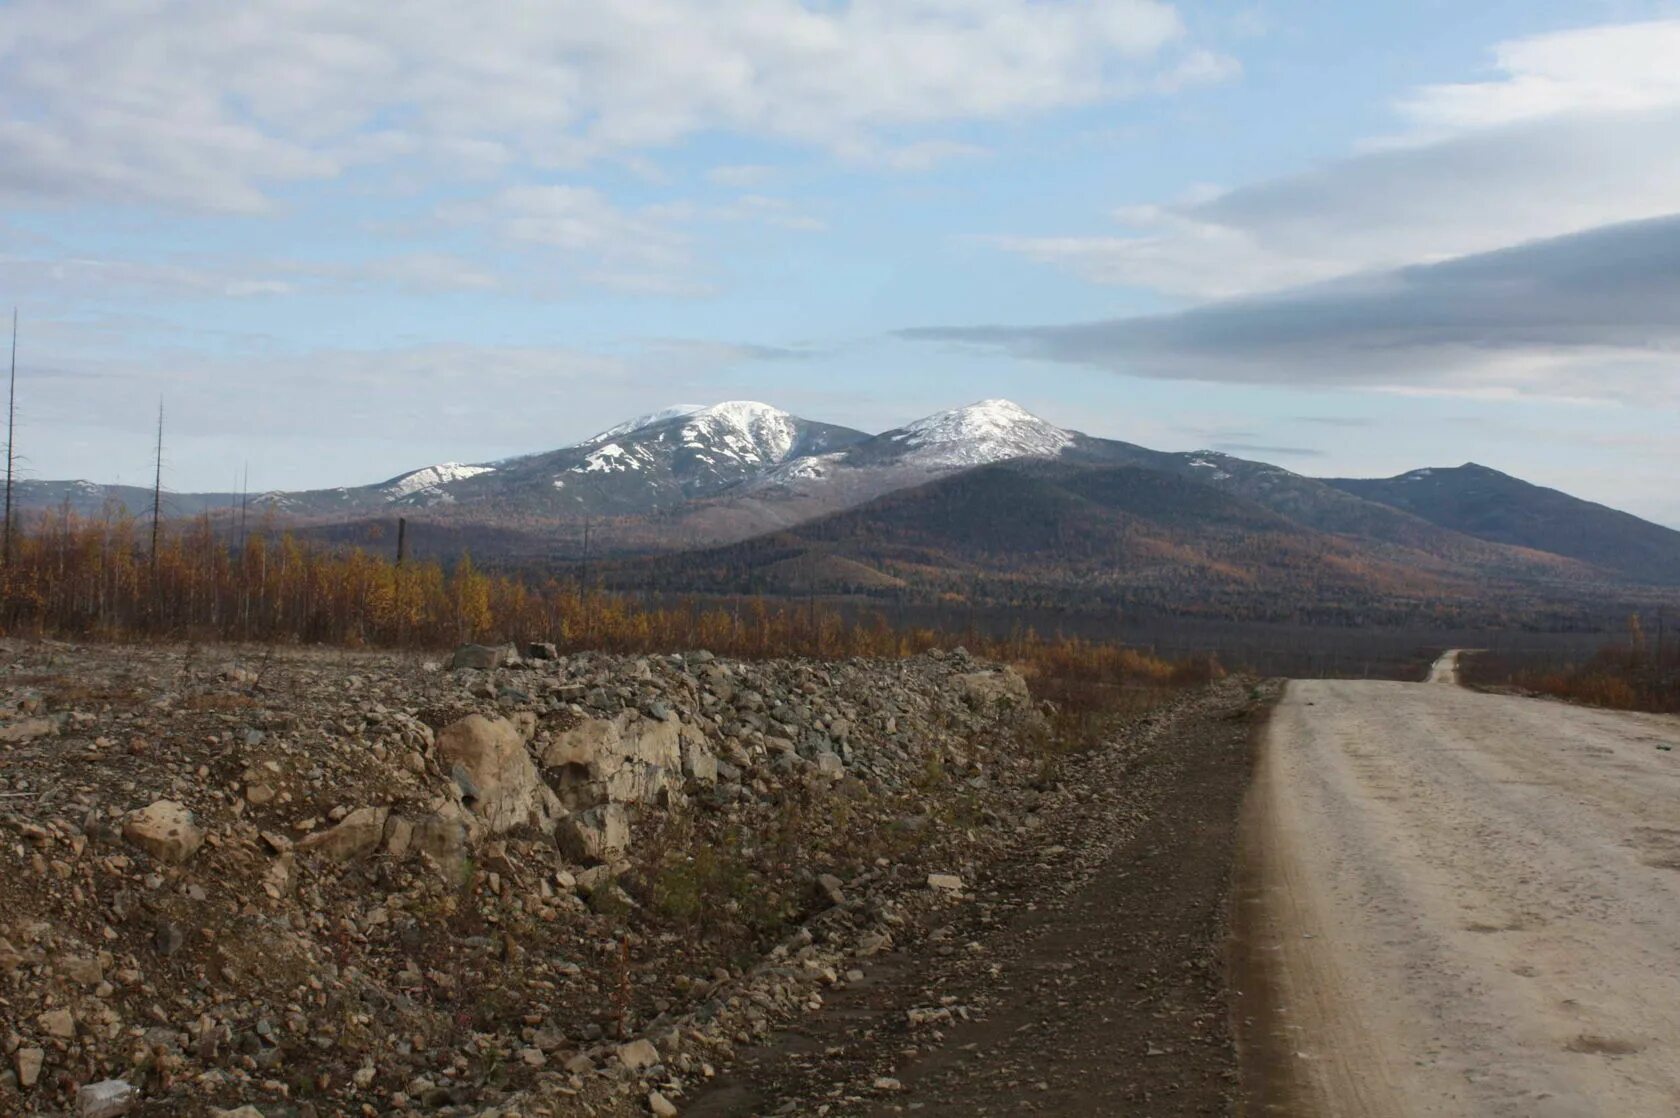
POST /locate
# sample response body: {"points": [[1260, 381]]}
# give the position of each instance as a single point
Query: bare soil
{"points": [[1086, 974]]}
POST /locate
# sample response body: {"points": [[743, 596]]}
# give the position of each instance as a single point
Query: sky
{"points": [[339, 239]]}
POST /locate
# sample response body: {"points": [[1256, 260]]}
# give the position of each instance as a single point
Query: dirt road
{"points": [[1461, 904]]}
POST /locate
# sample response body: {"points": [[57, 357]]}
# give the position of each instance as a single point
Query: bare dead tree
{"points": [[157, 489], [11, 456]]}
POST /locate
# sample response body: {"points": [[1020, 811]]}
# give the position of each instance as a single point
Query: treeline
{"points": [[1640, 673], [101, 579]]}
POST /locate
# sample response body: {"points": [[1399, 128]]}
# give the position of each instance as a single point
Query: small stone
{"points": [[660, 1105], [106, 1099], [358, 832], [887, 1084], [948, 882], [638, 1055], [27, 729], [828, 887], [58, 1023], [165, 830], [28, 1062], [168, 939]]}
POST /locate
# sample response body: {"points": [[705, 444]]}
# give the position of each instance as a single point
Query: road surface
{"points": [[1461, 904]]}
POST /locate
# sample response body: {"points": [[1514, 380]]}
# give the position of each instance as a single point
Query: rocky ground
{"points": [[322, 882]]}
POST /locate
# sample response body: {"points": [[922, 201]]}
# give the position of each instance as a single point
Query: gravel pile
{"points": [[506, 882]]}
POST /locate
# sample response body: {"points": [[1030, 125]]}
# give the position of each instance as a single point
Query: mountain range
{"points": [[986, 500]]}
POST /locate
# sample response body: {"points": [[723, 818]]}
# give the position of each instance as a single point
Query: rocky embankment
{"points": [[316, 883]]}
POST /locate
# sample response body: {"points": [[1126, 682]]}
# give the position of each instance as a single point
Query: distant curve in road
{"points": [[1465, 904]]}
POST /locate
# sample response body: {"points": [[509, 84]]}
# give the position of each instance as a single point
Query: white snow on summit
{"points": [[742, 429], [675, 411], [430, 478], [989, 431]]}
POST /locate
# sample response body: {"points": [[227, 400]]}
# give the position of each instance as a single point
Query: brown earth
{"points": [[1085, 974]]}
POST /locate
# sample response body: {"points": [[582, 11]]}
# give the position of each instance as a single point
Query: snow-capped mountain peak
{"points": [[746, 430], [987, 431]]}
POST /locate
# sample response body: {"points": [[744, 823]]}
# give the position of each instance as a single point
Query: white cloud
{"points": [[1626, 67], [741, 176], [1575, 130], [636, 251], [210, 105]]}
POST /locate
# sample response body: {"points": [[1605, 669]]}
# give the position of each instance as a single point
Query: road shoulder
{"points": [[1085, 974]]}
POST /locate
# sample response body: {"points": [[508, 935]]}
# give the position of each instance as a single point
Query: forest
{"points": [[111, 579]]}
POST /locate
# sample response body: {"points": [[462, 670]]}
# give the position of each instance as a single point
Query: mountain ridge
{"points": [[692, 476]]}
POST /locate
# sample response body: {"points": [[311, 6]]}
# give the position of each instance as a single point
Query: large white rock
{"points": [[999, 689], [501, 785], [627, 759]]}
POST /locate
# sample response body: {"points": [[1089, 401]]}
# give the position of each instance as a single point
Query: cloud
{"points": [[639, 251], [1576, 130], [212, 106], [76, 277], [432, 392], [1336, 420], [1267, 448], [1589, 316], [741, 176], [1614, 68]]}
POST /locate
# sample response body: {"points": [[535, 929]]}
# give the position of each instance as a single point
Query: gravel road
{"points": [[1460, 903]]}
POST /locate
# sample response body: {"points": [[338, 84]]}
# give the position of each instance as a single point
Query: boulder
{"points": [[626, 759], [446, 836], [502, 785], [995, 690], [481, 657], [597, 835], [356, 834], [165, 830]]}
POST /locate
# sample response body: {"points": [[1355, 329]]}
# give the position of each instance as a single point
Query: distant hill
{"points": [[1096, 537], [985, 499], [1490, 505]]}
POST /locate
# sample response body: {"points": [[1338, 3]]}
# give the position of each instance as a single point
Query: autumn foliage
{"points": [[98, 579], [1640, 673]]}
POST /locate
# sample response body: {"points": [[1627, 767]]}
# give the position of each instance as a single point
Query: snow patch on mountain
{"points": [[989, 431], [651, 419], [611, 458], [430, 478]]}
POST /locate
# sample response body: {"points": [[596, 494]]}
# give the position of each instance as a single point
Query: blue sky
{"points": [[341, 241]]}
